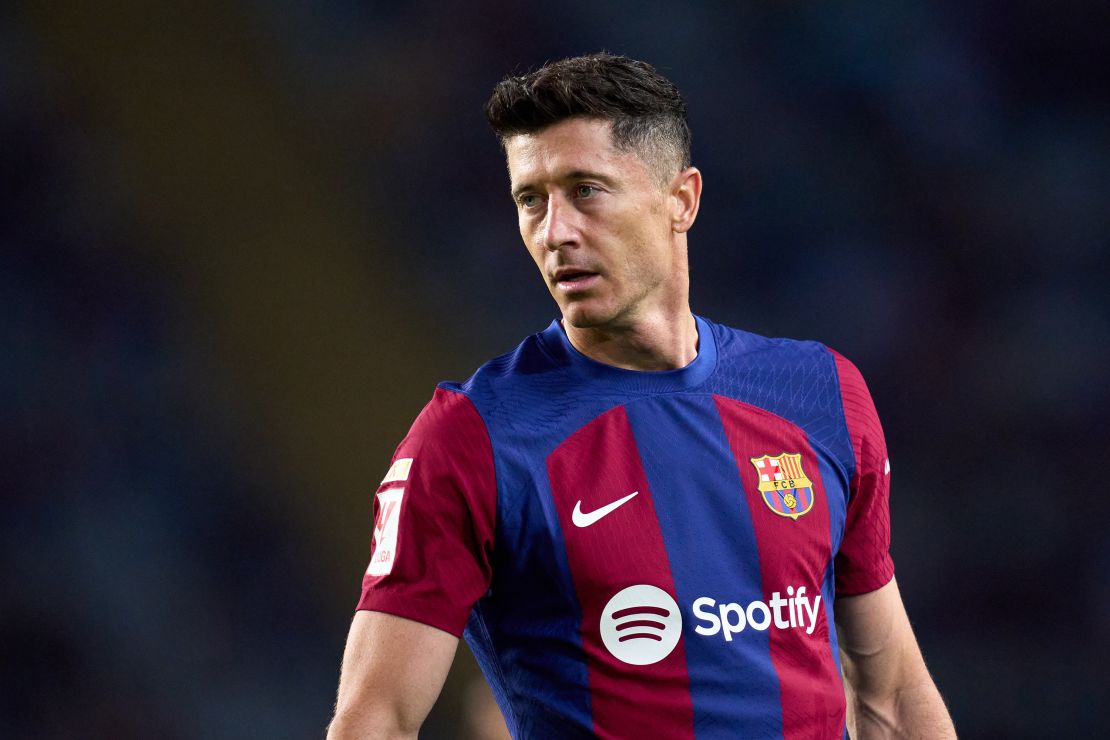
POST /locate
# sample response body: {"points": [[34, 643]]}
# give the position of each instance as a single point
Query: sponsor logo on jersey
{"points": [[785, 487], [586, 518], [641, 625], [795, 611]]}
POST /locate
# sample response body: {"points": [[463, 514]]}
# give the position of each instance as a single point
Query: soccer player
{"points": [[646, 524]]}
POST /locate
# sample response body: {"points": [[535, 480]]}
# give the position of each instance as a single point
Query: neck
{"points": [[655, 344]]}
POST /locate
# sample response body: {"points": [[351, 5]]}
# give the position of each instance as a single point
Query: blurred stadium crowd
{"points": [[240, 242]]}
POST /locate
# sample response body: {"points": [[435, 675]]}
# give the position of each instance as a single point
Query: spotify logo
{"points": [[641, 625]]}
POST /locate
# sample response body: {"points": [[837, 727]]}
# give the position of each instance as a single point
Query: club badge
{"points": [[786, 489]]}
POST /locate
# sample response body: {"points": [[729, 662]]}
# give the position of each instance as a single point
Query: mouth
{"points": [[573, 279]]}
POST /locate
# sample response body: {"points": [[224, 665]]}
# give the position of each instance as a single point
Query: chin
{"points": [[585, 317]]}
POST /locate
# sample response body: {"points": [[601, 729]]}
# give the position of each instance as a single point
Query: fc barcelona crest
{"points": [[786, 489]]}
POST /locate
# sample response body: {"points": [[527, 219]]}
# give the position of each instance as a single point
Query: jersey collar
{"points": [[700, 368]]}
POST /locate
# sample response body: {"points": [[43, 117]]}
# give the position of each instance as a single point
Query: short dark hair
{"points": [[647, 112]]}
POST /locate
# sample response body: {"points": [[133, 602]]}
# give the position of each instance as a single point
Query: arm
{"points": [[434, 518], [393, 670], [889, 690]]}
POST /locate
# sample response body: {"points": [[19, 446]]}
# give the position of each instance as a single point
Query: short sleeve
{"points": [[863, 563], [434, 515]]}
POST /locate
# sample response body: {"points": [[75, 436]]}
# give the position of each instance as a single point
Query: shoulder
{"points": [[532, 356], [775, 364], [448, 418], [736, 343], [851, 379], [447, 448], [525, 378], [801, 381], [752, 349], [860, 416]]}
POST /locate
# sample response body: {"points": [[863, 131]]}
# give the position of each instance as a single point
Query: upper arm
{"points": [[889, 690], [877, 644], [863, 562], [393, 670], [434, 516]]}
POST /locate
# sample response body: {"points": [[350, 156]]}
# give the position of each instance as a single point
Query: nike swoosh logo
{"points": [[581, 519]]}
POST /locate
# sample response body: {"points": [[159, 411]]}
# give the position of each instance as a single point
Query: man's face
{"points": [[597, 223]]}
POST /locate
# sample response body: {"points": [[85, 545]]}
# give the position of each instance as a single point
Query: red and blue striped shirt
{"points": [[651, 554]]}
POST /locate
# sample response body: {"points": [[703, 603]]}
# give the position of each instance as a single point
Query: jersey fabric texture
{"points": [[643, 554]]}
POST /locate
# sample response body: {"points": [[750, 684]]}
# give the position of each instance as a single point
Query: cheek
{"points": [[528, 238], [649, 258], [538, 258]]}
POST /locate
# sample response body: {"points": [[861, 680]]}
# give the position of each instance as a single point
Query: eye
{"points": [[528, 200], [585, 191]]}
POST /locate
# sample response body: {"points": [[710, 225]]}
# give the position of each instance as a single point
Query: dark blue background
{"points": [[241, 242]]}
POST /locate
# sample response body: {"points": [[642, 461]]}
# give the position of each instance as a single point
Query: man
{"points": [[647, 523]]}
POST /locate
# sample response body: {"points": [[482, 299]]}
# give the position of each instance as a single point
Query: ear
{"points": [[685, 199]]}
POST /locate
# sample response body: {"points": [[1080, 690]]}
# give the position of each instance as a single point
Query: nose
{"points": [[558, 225]]}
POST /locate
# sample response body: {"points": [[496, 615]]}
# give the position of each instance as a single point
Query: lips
{"points": [[570, 279]]}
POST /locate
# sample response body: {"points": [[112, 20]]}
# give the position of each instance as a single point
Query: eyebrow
{"points": [[572, 175]]}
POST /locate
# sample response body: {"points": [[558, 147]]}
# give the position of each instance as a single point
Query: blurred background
{"points": [[241, 241]]}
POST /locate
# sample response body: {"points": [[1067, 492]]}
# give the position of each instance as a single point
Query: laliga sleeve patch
{"points": [[385, 532], [399, 470]]}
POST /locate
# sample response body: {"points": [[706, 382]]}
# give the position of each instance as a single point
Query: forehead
{"points": [[573, 145]]}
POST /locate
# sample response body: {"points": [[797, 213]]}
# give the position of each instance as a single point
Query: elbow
{"points": [[370, 725], [904, 710]]}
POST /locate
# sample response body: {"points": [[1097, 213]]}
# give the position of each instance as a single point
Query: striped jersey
{"points": [[643, 554]]}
